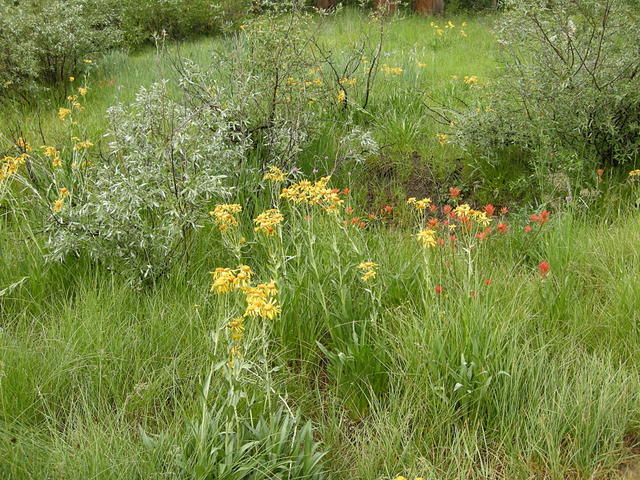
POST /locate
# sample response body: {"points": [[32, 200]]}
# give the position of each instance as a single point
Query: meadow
{"points": [[359, 300]]}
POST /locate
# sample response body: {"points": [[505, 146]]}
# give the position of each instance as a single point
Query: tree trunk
{"points": [[386, 7], [429, 6], [325, 4]]}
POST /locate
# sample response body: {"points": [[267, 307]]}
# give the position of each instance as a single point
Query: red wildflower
{"points": [[362, 224], [433, 208], [348, 210], [481, 235], [346, 191], [388, 209], [439, 289], [544, 217], [502, 228], [487, 281], [534, 218], [452, 238], [440, 241], [489, 209], [543, 268], [447, 209], [454, 192], [600, 172], [527, 228], [433, 222], [372, 216], [504, 210], [355, 220], [335, 190]]}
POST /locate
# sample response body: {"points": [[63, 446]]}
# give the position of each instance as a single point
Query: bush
{"points": [[50, 42], [179, 19], [136, 209], [570, 94]]}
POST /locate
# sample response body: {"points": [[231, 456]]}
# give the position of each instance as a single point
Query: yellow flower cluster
{"points": [[427, 238], [53, 154], [84, 145], [9, 165], [63, 113], [225, 215], [471, 80], [419, 204], [227, 279], [368, 270], [386, 69], [478, 216], [341, 97], [268, 221], [634, 173], [74, 102], [275, 175], [58, 205], [348, 81], [236, 326], [442, 138], [261, 301], [313, 193]]}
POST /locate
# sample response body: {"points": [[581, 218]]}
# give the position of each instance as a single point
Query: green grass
{"points": [[526, 377]]}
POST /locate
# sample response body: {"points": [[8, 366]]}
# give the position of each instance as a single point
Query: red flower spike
{"points": [[502, 228], [504, 210], [527, 228], [489, 209], [454, 192], [439, 289], [447, 209], [544, 267], [487, 281]]}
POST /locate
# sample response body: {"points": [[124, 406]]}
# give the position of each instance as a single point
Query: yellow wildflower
{"points": [[57, 205], [63, 112], [83, 91], [224, 215], [341, 97], [419, 204], [268, 221], [427, 237], [368, 270], [85, 145], [634, 173], [442, 138], [275, 175]]}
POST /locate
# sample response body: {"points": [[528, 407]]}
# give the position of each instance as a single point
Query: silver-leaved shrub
{"points": [[136, 208]]}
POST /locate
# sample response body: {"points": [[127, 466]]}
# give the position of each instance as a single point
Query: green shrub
{"points": [[134, 209], [569, 96], [179, 19], [50, 42]]}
